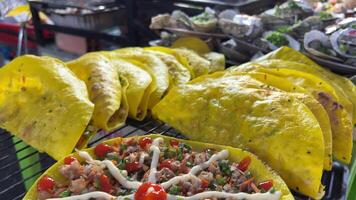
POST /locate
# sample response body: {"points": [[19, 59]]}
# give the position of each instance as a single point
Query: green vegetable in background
{"points": [[277, 39]]}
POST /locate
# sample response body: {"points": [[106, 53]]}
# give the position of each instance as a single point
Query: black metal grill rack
{"points": [[13, 183]]}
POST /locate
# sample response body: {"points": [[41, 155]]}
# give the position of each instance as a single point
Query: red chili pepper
{"points": [[266, 185], [174, 142], [132, 167], [46, 183], [165, 164], [102, 149], [144, 142], [69, 159], [150, 191], [105, 184], [244, 163]]}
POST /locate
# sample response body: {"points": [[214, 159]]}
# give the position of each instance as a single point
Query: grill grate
{"points": [[21, 165]]}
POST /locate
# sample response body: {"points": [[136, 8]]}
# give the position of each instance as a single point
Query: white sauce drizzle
{"points": [[177, 179], [97, 195], [155, 158], [219, 156], [142, 157], [115, 172], [238, 196]]}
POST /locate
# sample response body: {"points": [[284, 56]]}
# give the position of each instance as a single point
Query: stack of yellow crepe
{"points": [[50, 104], [292, 113]]}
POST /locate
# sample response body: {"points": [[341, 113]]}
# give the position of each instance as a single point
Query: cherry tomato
{"points": [[266, 185], [132, 167], [244, 163], [105, 184], [165, 164], [68, 160], [46, 183], [145, 141], [174, 143], [204, 183], [150, 191], [102, 149]]}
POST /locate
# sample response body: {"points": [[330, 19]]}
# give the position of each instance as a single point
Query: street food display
{"points": [[276, 121]]}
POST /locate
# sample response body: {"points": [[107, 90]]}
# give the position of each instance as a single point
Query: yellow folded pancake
{"points": [[258, 169], [104, 87], [217, 61], [177, 72], [318, 110], [344, 87], [340, 121], [199, 65], [238, 111], [139, 87], [44, 104], [153, 65], [181, 59]]}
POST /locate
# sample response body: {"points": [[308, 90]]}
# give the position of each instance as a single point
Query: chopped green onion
{"points": [[65, 193], [221, 181], [174, 190]]}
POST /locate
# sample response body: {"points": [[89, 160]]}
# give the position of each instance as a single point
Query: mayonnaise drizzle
{"points": [[156, 152], [178, 179], [116, 173], [219, 156], [96, 195], [236, 196]]}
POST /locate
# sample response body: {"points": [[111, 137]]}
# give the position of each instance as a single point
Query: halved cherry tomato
{"points": [[46, 183], [69, 159], [145, 141], [150, 191], [174, 142], [102, 149], [204, 183], [132, 167], [105, 184], [244, 163], [165, 164], [266, 185]]}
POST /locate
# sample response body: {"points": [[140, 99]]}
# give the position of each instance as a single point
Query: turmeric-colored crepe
{"points": [[104, 87], [177, 72], [154, 66], [199, 65], [139, 87], [181, 59], [340, 121], [318, 110], [217, 61], [260, 171], [343, 86], [44, 104], [238, 111]]}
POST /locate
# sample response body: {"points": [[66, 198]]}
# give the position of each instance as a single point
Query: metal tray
{"points": [[13, 153]]}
